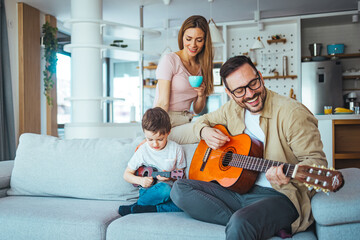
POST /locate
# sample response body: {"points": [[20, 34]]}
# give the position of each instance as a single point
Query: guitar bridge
{"points": [[205, 158]]}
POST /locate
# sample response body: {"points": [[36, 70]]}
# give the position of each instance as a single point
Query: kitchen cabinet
{"points": [[346, 143], [340, 135]]}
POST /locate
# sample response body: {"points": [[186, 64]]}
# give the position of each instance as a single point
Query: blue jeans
{"points": [[159, 196]]}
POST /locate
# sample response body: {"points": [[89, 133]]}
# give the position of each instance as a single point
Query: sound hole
{"points": [[226, 159]]}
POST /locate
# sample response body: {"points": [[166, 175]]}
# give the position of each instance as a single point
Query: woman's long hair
{"points": [[205, 57]]}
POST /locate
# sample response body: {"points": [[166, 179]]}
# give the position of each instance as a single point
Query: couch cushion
{"points": [[163, 226], [348, 231], [25, 217], [342, 206], [80, 168], [5, 173], [174, 226], [189, 150]]}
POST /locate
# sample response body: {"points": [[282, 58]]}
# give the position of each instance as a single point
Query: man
{"points": [[289, 134]]}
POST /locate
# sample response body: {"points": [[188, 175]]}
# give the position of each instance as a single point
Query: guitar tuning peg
{"points": [[318, 190], [310, 188]]}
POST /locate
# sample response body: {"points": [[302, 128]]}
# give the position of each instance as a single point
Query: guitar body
{"points": [[144, 171], [211, 165]]}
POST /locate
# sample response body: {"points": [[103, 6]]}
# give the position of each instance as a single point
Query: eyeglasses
{"points": [[241, 91]]}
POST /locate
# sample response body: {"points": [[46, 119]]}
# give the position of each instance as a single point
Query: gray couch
{"points": [[71, 189]]}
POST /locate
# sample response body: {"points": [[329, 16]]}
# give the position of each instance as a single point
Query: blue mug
{"points": [[195, 81]]}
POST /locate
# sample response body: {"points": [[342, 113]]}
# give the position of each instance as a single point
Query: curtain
{"points": [[7, 128]]}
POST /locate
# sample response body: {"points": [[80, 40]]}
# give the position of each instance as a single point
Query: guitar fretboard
{"points": [[162, 174], [256, 164]]}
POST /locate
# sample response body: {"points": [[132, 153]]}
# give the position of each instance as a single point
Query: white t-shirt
{"points": [[252, 128], [169, 158]]}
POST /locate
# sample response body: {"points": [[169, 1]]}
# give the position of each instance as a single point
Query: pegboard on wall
{"points": [[269, 59]]}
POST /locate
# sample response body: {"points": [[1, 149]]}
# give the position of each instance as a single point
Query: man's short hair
{"points": [[233, 64], [156, 120]]}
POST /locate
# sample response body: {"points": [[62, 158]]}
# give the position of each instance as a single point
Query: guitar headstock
{"points": [[177, 174], [319, 178]]}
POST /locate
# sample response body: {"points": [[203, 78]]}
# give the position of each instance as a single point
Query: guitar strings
{"points": [[252, 163]]}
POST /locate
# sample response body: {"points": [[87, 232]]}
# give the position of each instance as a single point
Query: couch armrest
{"points": [[339, 207], [5, 173]]}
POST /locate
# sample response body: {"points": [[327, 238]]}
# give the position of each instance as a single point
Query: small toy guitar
{"points": [[152, 172]]}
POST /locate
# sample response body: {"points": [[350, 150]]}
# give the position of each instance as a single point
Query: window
{"points": [[125, 85], [63, 76]]}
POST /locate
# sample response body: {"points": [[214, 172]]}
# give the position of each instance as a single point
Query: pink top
{"points": [[182, 94]]}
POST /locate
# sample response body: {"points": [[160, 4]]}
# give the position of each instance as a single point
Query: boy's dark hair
{"points": [[232, 64], [156, 120]]}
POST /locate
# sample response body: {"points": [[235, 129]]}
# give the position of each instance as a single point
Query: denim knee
{"points": [[163, 190]]}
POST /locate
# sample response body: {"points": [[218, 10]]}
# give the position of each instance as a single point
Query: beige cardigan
{"points": [[291, 136]]}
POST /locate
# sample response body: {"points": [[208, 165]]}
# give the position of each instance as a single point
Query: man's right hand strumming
{"points": [[213, 137]]}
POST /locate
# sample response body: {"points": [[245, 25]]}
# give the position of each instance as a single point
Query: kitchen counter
{"points": [[337, 116]]}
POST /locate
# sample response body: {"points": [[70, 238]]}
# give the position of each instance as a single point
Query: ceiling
{"points": [[156, 12]]}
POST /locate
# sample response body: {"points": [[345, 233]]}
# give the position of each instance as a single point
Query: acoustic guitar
{"points": [[236, 165], [152, 172]]}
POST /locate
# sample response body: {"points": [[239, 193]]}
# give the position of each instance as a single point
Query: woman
{"points": [[174, 93]]}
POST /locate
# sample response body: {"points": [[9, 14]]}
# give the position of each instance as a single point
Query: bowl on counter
{"points": [[333, 49]]}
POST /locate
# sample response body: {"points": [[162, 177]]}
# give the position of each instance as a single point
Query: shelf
{"points": [[351, 89], [347, 155], [275, 77], [112, 52], [152, 67], [117, 30], [347, 55], [355, 77], [283, 40], [149, 86]]}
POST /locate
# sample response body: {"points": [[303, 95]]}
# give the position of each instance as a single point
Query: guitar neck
{"points": [[259, 164], [162, 174]]}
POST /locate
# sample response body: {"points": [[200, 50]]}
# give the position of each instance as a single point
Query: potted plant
{"points": [[51, 46]]}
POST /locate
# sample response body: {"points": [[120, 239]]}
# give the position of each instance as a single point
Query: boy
{"points": [[157, 152]]}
